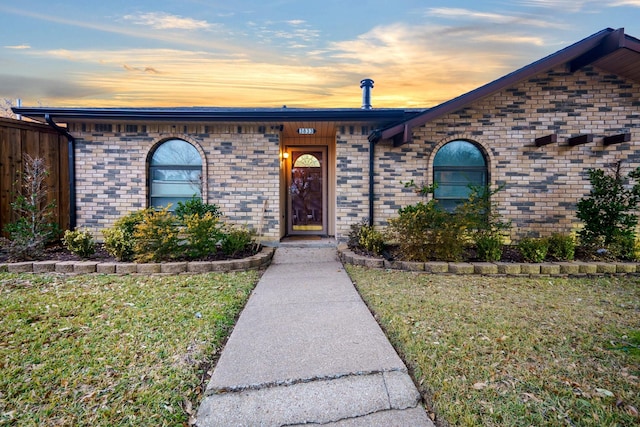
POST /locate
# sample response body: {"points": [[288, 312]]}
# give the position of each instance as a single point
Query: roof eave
{"points": [[401, 133], [221, 115]]}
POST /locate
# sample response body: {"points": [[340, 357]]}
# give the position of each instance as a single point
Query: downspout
{"points": [[372, 146], [71, 148]]}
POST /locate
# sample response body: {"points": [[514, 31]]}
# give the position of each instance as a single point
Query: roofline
{"points": [[602, 42], [212, 114]]}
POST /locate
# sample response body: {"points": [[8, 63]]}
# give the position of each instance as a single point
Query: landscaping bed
{"points": [[514, 351]]}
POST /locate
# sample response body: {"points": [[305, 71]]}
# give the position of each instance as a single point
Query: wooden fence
{"points": [[18, 138]]}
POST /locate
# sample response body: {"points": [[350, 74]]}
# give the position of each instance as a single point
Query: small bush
{"points": [[196, 206], [80, 242], [489, 247], [35, 226], [236, 241], [609, 212], [203, 234], [426, 232], [533, 249], [623, 246], [156, 237], [365, 238], [119, 241], [562, 247]]}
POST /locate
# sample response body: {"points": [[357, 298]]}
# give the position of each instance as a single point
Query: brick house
{"points": [[536, 131]]}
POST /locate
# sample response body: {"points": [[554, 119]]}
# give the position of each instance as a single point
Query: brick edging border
{"points": [[257, 261], [570, 268]]}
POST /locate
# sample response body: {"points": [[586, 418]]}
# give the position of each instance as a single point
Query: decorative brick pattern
{"points": [[542, 184]]}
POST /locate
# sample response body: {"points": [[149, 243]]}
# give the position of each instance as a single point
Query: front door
{"points": [[307, 183]]}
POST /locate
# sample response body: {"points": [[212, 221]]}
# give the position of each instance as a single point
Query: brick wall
{"points": [[352, 181], [542, 184], [241, 165]]}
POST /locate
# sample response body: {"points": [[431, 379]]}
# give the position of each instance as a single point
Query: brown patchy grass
{"points": [[506, 351], [105, 350]]}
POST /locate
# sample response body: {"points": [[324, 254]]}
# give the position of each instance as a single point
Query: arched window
{"points": [[175, 173], [457, 166]]}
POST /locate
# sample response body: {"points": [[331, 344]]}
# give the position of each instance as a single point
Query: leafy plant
{"points": [[608, 212], [489, 247], [156, 236], [195, 206], [562, 247], [237, 240], [35, 226], [483, 222], [424, 232], [533, 249], [119, 241], [366, 238], [80, 242], [203, 234]]}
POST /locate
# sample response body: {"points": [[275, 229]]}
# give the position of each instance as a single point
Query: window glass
{"points": [[459, 153], [175, 172], [457, 166], [176, 152]]}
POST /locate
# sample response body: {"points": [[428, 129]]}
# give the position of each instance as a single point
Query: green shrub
{"points": [[483, 222], [489, 247], [562, 247], [426, 232], [119, 241], [237, 240], [608, 212], [156, 236], [203, 234], [365, 238], [533, 249], [35, 226], [117, 244], [80, 242], [196, 206]]}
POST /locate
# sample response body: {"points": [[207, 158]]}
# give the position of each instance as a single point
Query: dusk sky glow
{"points": [[269, 53]]}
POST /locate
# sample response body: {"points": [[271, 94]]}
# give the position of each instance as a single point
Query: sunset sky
{"points": [[269, 53]]}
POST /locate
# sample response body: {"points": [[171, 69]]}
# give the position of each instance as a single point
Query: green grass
{"points": [[505, 351], [106, 350]]}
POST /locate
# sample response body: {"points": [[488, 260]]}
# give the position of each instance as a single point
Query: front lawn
{"points": [[105, 350], [512, 351]]}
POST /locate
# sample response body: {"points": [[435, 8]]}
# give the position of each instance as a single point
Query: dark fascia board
{"points": [[202, 114], [608, 45], [561, 57]]}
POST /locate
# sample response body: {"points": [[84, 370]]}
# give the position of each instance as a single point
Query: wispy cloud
{"points": [[421, 63], [141, 69], [18, 47], [166, 21], [618, 3], [295, 34], [488, 17], [575, 6], [512, 39], [141, 32]]}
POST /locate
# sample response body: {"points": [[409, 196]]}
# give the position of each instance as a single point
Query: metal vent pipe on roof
{"points": [[366, 85]]}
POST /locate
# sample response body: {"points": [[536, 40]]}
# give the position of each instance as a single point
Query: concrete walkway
{"points": [[306, 350]]}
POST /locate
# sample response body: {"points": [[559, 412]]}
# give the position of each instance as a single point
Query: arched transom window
{"points": [[458, 166], [175, 173]]}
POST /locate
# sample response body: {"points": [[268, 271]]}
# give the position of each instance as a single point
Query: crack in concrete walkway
{"points": [[306, 350]]}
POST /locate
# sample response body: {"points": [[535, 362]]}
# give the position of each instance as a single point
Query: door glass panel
{"points": [[307, 191]]}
